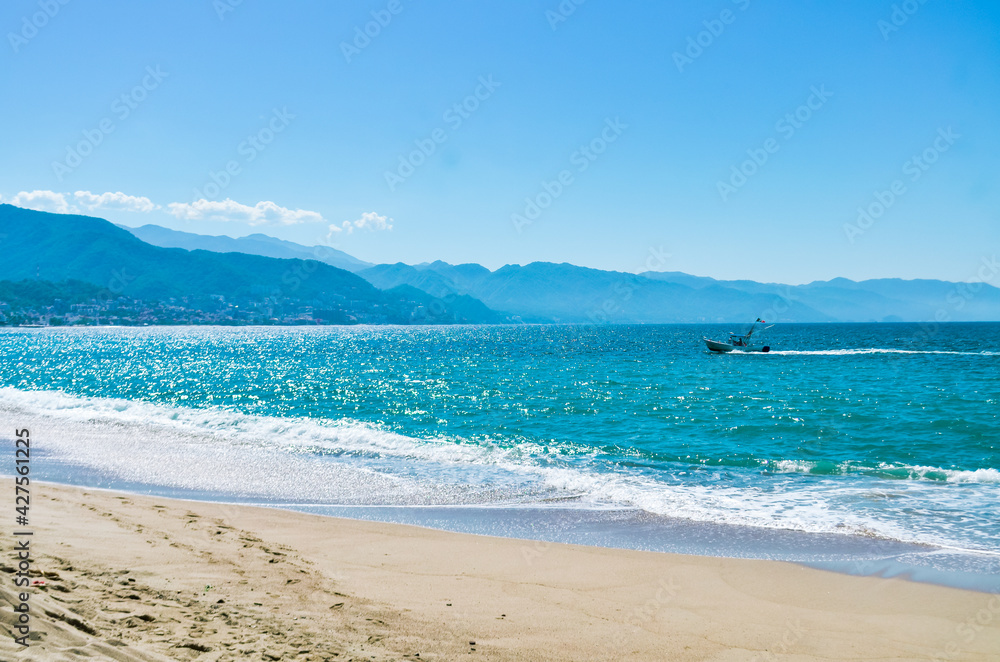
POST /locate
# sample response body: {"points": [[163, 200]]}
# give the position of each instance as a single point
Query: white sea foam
{"points": [[226, 453], [915, 472], [957, 476]]}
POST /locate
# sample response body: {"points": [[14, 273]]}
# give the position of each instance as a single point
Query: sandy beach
{"points": [[140, 578]]}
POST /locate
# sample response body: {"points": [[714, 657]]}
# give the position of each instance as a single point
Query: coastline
{"points": [[145, 578]]}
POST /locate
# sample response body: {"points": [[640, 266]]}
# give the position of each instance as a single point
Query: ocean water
{"points": [[865, 448]]}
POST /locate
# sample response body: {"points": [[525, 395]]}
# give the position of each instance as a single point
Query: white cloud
{"points": [[369, 221], [85, 201], [118, 201], [263, 213], [43, 201]]}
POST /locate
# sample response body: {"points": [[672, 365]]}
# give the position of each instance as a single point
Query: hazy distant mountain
{"points": [[877, 300], [255, 244], [537, 292], [543, 291], [388, 276], [62, 247]]}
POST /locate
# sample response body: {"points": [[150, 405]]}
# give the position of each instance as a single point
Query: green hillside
{"points": [[61, 247]]}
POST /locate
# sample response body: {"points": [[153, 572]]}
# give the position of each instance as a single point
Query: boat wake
{"points": [[874, 350]]}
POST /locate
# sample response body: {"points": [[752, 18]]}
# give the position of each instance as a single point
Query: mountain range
{"points": [[152, 262], [64, 247], [548, 292], [255, 244]]}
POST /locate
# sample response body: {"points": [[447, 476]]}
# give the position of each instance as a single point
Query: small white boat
{"points": [[739, 343]]}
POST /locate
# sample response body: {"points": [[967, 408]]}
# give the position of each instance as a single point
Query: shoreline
{"points": [[637, 530], [163, 578]]}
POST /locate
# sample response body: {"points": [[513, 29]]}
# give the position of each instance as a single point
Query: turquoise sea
{"points": [[868, 448]]}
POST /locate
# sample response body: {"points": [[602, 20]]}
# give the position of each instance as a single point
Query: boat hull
{"points": [[722, 347]]}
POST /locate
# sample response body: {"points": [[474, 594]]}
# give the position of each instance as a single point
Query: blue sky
{"points": [[721, 138]]}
